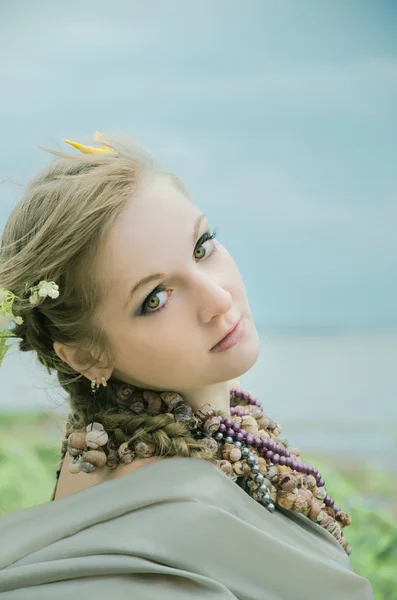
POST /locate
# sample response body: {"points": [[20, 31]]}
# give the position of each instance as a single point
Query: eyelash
{"points": [[160, 288]]}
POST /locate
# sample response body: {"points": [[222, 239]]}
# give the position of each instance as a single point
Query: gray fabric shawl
{"points": [[175, 529]]}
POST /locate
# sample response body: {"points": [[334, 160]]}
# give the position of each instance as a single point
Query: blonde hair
{"points": [[54, 233]]}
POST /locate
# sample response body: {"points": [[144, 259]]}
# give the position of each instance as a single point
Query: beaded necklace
{"points": [[254, 457], [246, 445]]}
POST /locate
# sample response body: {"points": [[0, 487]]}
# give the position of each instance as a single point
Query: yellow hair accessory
{"points": [[104, 147]]}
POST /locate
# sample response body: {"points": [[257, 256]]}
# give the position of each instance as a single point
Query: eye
{"points": [[152, 303], [207, 237]]}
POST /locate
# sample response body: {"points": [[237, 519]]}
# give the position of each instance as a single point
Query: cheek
{"points": [[163, 360], [161, 340]]}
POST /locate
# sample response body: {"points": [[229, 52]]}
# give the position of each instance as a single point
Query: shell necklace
{"points": [[254, 457]]}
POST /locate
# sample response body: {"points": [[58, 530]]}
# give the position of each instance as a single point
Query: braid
{"points": [[155, 431]]}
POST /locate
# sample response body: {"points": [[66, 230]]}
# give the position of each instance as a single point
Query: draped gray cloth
{"points": [[174, 529]]}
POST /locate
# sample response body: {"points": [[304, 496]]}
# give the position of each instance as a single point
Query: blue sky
{"points": [[279, 116]]}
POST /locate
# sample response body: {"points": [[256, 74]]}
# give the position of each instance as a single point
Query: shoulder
{"points": [[71, 483]]}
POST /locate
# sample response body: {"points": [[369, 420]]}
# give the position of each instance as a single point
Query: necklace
{"points": [[245, 445], [254, 457]]}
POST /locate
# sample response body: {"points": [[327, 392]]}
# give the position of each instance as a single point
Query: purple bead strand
{"points": [[276, 453]]}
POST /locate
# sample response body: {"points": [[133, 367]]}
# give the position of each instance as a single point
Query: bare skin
{"points": [[162, 337], [71, 483]]}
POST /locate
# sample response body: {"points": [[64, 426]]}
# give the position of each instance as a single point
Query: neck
{"points": [[217, 395]]}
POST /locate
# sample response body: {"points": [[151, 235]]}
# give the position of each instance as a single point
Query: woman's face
{"points": [[188, 295]]}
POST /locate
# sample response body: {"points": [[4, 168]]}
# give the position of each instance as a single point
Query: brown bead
{"points": [[231, 453], [321, 516], [263, 435], [286, 482], [74, 467], [241, 468], [284, 469], [126, 455], [325, 521], [250, 425], [87, 467], [225, 467], [256, 412], [124, 392], [343, 518], [329, 510], [273, 473], [234, 455], [332, 527], [77, 440], [74, 451], [94, 439], [144, 450], [206, 411], [320, 493], [305, 493], [210, 444], [183, 412], [154, 402], [287, 501], [311, 483], [95, 457], [212, 425], [263, 423], [112, 459], [171, 399], [95, 427], [272, 424], [301, 505]]}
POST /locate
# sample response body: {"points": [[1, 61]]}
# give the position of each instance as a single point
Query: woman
{"points": [[135, 293]]}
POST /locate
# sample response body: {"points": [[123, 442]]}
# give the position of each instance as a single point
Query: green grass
{"points": [[29, 454]]}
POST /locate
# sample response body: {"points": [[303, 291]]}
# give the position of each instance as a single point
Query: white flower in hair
{"points": [[34, 299], [48, 288], [2, 295], [42, 290]]}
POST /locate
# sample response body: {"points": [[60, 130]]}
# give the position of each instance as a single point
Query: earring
{"points": [[96, 387]]}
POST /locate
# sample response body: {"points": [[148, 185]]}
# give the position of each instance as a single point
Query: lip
{"points": [[232, 337]]}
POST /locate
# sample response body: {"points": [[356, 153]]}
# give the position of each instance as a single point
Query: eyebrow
{"points": [[155, 276]]}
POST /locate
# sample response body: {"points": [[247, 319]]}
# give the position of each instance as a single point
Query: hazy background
{"points": [[281, 119]]}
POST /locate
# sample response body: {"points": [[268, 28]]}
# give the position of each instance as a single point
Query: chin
{"points": [[242, 357]]}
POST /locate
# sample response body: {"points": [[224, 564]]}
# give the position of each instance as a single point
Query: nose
{"points": [[212, 298]]}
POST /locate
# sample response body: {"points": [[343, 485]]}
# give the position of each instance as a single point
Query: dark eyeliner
{"points": [[159, 288], [207, 236]]}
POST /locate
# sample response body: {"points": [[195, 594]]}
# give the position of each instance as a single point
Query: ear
{"points": [[80, 360]]}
